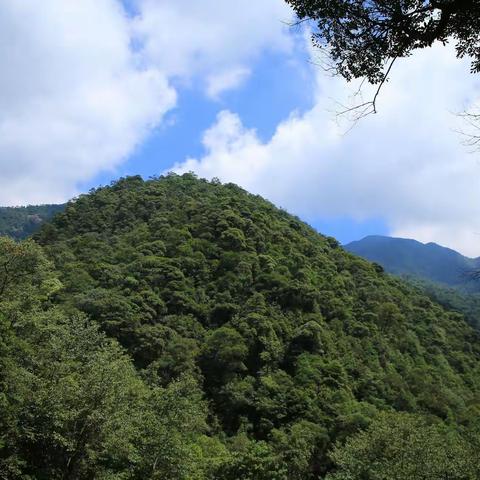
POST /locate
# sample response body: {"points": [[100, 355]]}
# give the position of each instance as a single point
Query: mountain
{"points": [[261, 349], [182, 329], [440, 273], [426, 261], [21, 222]]}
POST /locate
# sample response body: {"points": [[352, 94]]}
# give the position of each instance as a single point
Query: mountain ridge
{"points": [[429, 261]]}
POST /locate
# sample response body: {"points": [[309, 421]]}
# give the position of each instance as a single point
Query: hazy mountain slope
{"points": [[410, 257], [451, 298], [20, 222], [297, 343]]}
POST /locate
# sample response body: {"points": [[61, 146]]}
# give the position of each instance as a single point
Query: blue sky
{"points": [[107, 88], [274, 89]]}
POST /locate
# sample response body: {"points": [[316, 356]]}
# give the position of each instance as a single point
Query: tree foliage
{"points": [[72, 404], [364, 36], [290, 344], [183, 329], [397, 446]]}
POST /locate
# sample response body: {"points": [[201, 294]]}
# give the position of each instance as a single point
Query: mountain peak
{"points": [[403, 256]]}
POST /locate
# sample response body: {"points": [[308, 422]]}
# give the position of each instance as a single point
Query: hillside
{"points": [[453, 299], [409, 257], [297, 342], [21, 222], [262, 350]]}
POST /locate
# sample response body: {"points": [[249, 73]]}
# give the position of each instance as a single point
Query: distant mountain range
{"points": [[428, 261]]}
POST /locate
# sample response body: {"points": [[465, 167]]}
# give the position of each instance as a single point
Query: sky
{"points": [[92, 90]]}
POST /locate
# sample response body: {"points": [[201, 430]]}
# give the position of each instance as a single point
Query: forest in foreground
{"points": [[183, 329]]}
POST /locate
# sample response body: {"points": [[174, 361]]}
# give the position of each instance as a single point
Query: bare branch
{"points": [[364, 109], [471, 138]]}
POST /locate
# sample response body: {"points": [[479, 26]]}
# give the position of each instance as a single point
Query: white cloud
{"points": [[83, 84], [227, 80], [72, 100], [405, 164], [191, 37]]}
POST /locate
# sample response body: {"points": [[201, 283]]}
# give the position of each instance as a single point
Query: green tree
{"points": [[293, 343], [76, 399], [397, 446], [72, 405], [26, 276], [364, 38], [170, 444], [253, 461], [364, 35]]}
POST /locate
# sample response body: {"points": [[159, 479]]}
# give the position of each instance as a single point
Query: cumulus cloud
{"points": [[73, 101], [227, 80], [187, 38], [83, 84], [405, 164]]}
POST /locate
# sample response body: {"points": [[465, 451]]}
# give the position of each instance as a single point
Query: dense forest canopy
{"points": [[183, 329], [466, 303], [198, 332], [72, 406]]}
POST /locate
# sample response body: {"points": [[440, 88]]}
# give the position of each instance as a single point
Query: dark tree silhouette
{"points": [[364, 37]]}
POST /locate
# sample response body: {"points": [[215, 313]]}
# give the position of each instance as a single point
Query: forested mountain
{"points": [[20, 222], [409, 257], [183, 329], [442, 274], [454, 299]]}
